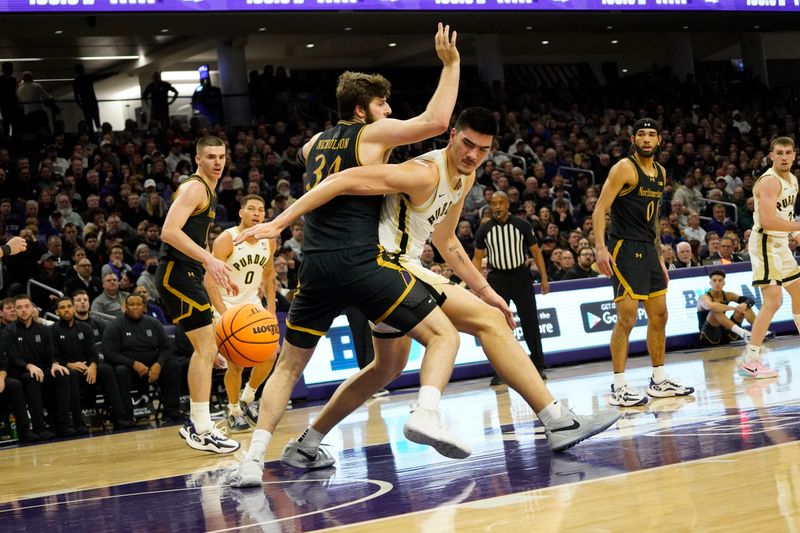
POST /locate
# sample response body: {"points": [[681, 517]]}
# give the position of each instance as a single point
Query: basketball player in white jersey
{"points": [[774, 265], [424, 199], [251, 269]]}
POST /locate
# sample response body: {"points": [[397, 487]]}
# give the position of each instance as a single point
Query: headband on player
{"points": [[643, 123]]}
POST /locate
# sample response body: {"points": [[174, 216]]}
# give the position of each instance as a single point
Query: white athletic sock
{"points": [[429, 397], [234, 409], [248, 394], [201, 416], [739, 330], [797, 322], [311, 438], [619, 380], [752, 352], [550, 414], [258, 445], [659, 374]]}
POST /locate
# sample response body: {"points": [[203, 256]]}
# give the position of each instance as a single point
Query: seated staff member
{"points": [[139, 350], [29, 347], [75, 348]]}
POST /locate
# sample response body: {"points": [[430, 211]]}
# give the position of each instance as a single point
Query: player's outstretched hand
{"points": [[265, 230], [446, 45], [489, 296], [604, 262]]}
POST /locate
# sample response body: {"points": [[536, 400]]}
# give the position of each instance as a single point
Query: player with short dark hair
{"points": [[632, 194], [712, 313]]}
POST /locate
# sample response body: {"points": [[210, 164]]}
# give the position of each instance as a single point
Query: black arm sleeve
{"points": [[746, 300]]}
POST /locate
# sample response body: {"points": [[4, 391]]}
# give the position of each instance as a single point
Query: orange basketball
{"points": [[248, 335]]}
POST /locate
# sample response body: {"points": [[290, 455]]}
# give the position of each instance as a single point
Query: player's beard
{"points": [[642, 153]]}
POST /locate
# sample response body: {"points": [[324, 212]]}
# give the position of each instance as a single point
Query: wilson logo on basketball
{"points": [[269, 328]]}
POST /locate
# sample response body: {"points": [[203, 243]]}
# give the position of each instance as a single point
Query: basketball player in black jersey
{"points": [[345, 266], [634, 264], [185, 260]]}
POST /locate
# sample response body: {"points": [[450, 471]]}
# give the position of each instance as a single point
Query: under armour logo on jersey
{"points": [[190, 274], [128, 334], [638, 255], [62, 337]]}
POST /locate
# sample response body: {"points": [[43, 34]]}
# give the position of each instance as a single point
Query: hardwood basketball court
{"points": [[723, 460]]}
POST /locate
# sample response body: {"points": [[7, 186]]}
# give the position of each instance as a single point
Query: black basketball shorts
{"points": [[180, 285], [637, 270], [366, 278]]}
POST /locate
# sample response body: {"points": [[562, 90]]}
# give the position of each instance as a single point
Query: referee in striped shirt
{"points": [[508, 239]]}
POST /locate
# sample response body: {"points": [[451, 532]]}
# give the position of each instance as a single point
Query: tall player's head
{"points": [[471, 138], [252, 210], [363, 97], [645, 137], [782, 154], [210, 156]]}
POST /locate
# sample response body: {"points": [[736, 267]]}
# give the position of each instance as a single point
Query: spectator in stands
{"points": [[684, 258], [720, 222], [296, 242], [138, 348], [156, 211], [35, 102], [583, 267], [746, 214], [84, 280], [116, 263], [158, 93], [428, 256], [127, 282], [466, 237], [725, 254], [30, 351], [694, 231], [49, 276], [142, 254], [565, 263], [152, 239], [111, 300], [284, 283], [175, 156]]}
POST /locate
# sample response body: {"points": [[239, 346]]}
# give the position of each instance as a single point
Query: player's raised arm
{"points": [[768, 191], [388, 133], [621, 174]]}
